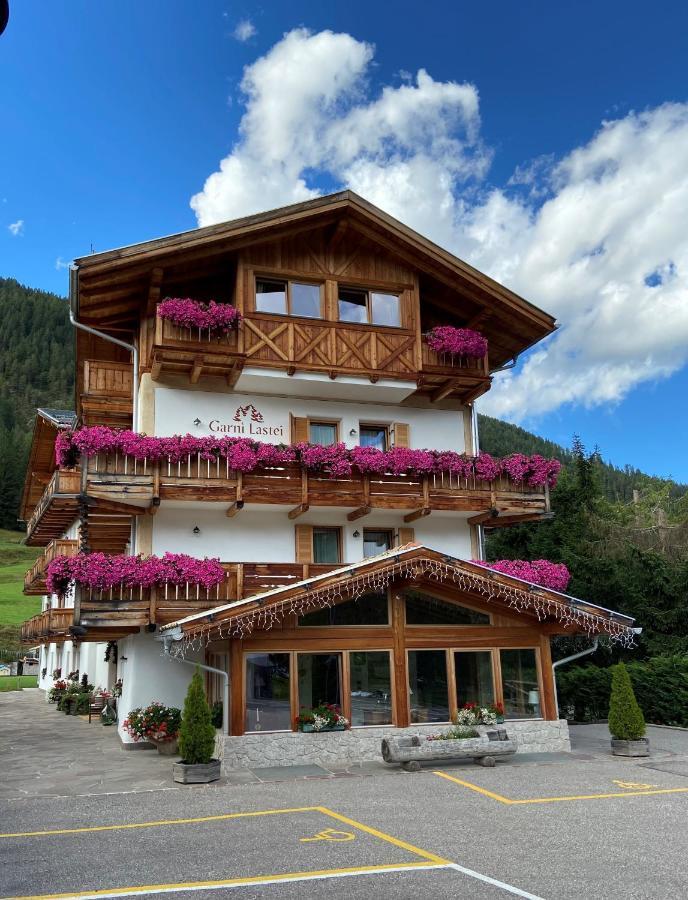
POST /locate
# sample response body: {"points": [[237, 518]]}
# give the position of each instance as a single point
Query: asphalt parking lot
{"points": [[579, 825]]}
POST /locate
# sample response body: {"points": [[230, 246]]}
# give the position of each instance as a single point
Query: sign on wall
{"points": [[248, 421]]}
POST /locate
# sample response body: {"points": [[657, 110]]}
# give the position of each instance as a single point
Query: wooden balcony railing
{"points": [[124, 480], [57, 508], [34, 580], [107, 393], [50, 625], [303, 345], [134, 608]]}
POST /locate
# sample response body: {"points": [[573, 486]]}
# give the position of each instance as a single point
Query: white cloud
{"points": [[244, 31], [16, 229], [61, 263], [597, 238]]}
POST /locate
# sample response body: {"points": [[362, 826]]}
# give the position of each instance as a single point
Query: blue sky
{"points": [[114, 116]]}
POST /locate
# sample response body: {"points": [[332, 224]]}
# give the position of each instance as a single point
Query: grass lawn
{"points": [[15, 607], [17, 682]]}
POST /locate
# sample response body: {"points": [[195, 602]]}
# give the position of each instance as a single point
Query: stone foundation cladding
{"points": [[250, 751]]}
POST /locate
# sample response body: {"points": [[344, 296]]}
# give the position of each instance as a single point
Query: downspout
{"points": [[167, 640], [476, 449], [568, 659]]}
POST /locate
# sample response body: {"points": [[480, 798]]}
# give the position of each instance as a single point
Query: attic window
{"points": [[369, 307]]}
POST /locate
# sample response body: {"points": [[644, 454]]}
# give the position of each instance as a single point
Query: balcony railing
{"points": [[122, 479], [50, 625], [34, 580], [333, 348], [57, 508]]}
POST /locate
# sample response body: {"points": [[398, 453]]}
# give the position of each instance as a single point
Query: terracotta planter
{"points": [[641, 747], [167, 748], [196, 773]]}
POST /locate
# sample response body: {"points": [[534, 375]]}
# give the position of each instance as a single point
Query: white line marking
{"points": [[500, 884]]}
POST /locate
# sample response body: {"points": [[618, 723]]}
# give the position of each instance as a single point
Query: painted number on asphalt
{"points": [[634, 786], [329, 834]]}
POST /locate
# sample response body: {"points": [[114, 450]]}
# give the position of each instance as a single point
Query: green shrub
{"points": [[626, 721], [197, 734]]}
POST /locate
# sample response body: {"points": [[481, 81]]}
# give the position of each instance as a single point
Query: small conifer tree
{"points": [[626, 720], [197, 734]]}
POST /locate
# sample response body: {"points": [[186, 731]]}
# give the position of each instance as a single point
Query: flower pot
{"points": [[196, 773], [167, 748], [311, 729], [641, 747]]}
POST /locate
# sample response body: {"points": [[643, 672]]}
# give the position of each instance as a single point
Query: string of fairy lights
{"points": [[355, 585]]}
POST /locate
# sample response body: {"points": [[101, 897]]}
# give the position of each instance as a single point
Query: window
{"points": [[320, 679], [423, 609], [294, 298], [520, 684], [323, 433], [374, 436], [474, 682], [375, 542], [370, 609], [369, 307], [371, 691], [326, 545], [268, 706], [428, 691]]}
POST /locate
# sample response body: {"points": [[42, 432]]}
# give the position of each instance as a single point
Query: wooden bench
{"points": [[95, 706], [412, 750]]}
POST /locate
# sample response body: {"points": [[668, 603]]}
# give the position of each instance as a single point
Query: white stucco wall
{"points": [[176, 411], [266, 534]]}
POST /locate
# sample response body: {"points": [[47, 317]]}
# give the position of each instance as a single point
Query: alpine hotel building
{"points": [[348, 570]]}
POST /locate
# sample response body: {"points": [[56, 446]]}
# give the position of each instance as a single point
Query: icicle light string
{"points": [[265, 618]]}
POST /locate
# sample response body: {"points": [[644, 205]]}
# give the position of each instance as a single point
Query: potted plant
{"points": [[626, 720], [156, 723], [324, 717], [196, 738], [497, 710], [57, 691]]}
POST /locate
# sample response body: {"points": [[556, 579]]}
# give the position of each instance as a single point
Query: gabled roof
{"points": [[112, 284], [413, 562], [41, 463], [61, 418]]}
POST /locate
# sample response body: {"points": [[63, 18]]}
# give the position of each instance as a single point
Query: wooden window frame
{"points": [[538, 668], [472, 607], [392, 686], [357, 288], [449, 674], [244, 678], [288, 282], [336, 422], [392, 532], [338, 530], [380, 427], [387, 624]]}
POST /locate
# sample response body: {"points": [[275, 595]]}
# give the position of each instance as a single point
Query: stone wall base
{"points": [[252, 751]]}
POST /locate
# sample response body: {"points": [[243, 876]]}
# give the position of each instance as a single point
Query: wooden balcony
{"points": [[128, 609], [56, 509], [34, 580], [314, 345], [107, 393], [115, 479], [46, 627]]}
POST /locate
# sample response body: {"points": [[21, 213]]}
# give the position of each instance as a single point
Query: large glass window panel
{"points": [[375, 542], [428, 691], [371, 691], [474, 682], [353, 306], [323, 433], [305, 300], [384, 309], [268, 705], [370, 609], [271, 296], [423, 609], [373, 436], [326, 545], [320, 679], [520, 684]]}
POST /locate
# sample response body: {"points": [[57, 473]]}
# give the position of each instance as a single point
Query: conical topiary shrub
{"points": [[626, 720], [197, 734]]}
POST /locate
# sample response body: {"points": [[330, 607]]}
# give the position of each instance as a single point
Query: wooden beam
{"points": [[235, 508], [444, 391], [196, 370], [418, 514], [298, 510], [156, 368], [358, 513], [154, 284], [483, 516]]}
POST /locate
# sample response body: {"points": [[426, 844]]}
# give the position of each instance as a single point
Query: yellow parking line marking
{"points": [[161, 822], [227, 883], [509, 802]]}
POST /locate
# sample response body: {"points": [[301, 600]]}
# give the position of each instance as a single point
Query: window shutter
{"points": [[405, 536], [304, 543], [401, 434], [299, 430]]}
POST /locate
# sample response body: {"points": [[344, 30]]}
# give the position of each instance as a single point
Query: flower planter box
{"points": [[310, 729], [411, 751], [166, 748], [640, 747], [198, 773]]}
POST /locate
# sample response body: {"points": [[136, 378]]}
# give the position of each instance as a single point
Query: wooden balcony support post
{"points": [[425, 509], [303, 505], [153, 605], [196, 370], [238, 504], [240, 581], [366, 507]]}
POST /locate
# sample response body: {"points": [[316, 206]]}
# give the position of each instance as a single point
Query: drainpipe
{"points": [[476, 449], [73, 309], [167, 641], [568, 659]]}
